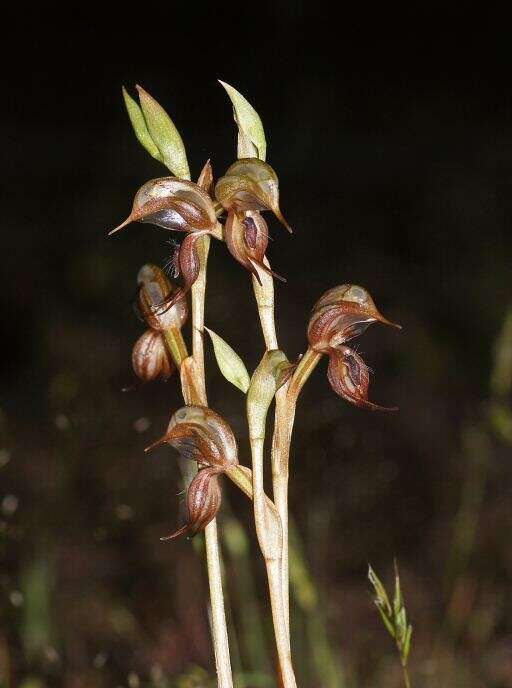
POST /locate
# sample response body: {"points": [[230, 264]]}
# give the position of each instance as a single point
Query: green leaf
{"points": [[250, 127], [165, 135], [264, 384], [139, 126], [229, 362]]}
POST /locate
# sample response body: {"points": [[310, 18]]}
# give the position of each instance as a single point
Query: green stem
{"points": [[219, 626]]}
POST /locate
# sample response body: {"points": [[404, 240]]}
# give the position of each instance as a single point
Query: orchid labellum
{"points": [[349, 377], [341, 314], [246, 237], [204, 498]]}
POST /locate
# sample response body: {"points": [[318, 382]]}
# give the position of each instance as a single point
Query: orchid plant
{"points": [[230, 211]]}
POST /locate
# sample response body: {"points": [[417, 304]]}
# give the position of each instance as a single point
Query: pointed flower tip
{"points": [[385, 321], [156, 444], [173, 536], [123, 224], [377, 407], [283, 220]]}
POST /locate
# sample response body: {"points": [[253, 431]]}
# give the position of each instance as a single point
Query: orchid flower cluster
{"points": [[230, 211]]}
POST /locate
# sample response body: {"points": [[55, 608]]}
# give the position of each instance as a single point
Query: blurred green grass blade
{"points": [[37, 624]]}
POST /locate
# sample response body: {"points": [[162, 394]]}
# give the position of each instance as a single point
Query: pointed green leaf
{"points": [[249, 124], [139, 126], [229, 362], [264, 384], [165, 135]]}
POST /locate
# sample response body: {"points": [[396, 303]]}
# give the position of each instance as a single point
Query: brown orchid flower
{"points": [[173, 204], [204, 498], [150, 358], [181, 205], [341, 314], [155, 289], [201, 435], [250, 184]]}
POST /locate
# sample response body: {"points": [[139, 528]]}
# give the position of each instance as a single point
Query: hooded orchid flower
{"points": [[201, 435], [173, 204], [248, 187], [178, 205], [250, 184], [342, 314]]}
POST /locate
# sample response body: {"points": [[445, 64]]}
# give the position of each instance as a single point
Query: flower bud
{"points": [[349, 377], [200, 434], [173, 204], [250, 184], [150, 358], [155, 292], [203, 501], [246, 237], [341, 314]]}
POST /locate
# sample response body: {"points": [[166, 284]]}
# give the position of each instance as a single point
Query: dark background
{"points": [[392, 139]]}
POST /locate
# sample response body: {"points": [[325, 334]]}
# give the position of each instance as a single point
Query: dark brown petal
{"points": [[349, 377], [246, 236], [204, 498]]}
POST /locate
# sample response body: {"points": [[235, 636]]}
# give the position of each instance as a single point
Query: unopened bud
{"points": [[150, 358]]}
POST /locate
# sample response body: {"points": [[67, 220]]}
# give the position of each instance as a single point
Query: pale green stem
{"points": [[264, 294], [269, 532], [219, 626], [286, 399]]}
